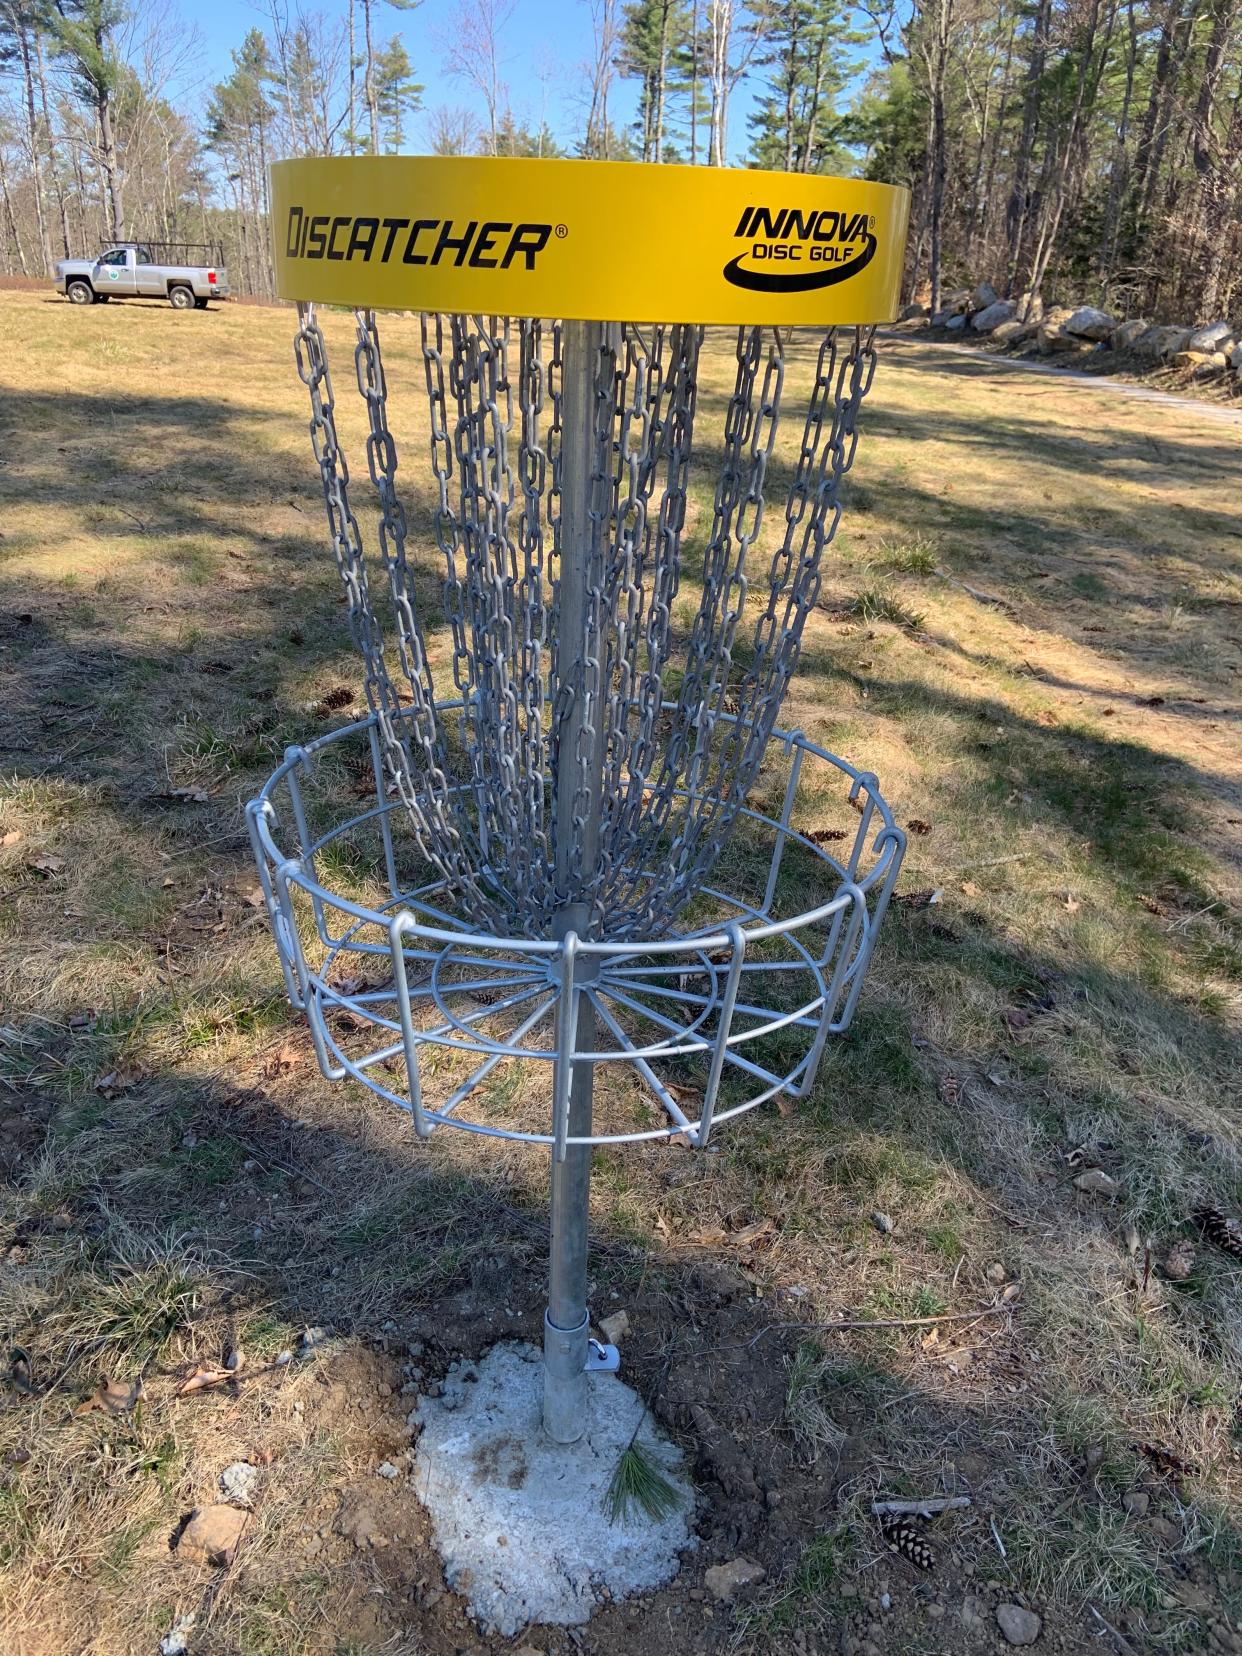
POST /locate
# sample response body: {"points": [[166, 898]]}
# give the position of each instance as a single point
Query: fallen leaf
{"points": [[1017, 1018], [46, 864], [12, 837], [204, 1378], [189, 796], [213, 1535], [283, 1059], [1096, 1182], [253, 896], [970, 889], [111, 1397], [1072, 905], [711, 1236], [750, 1234], [115, 1083]]}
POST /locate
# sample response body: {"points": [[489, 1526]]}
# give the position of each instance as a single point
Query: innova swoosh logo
{"points": [[798, 281]]}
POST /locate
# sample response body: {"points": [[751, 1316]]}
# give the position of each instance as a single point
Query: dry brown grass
{"points": [[172, 622]]}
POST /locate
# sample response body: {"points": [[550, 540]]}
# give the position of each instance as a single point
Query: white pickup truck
{"points": [[145, 270]]}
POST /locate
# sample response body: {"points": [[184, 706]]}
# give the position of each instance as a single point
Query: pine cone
{"points": [[903, 1536], [1219, 1228]]}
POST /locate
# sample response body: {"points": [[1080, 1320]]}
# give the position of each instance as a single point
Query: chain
{"points": [[655, 792]]}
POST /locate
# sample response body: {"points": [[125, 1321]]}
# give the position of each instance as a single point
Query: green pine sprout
{"points": [[639, 1482]]}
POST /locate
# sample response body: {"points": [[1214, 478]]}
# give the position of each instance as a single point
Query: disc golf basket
{"points": [[585, 857]]}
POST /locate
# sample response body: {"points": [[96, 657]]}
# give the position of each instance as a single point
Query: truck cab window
{"points": [[143, 255], [116, 257]]}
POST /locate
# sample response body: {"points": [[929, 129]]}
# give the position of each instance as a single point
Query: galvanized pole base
{"points": [[565, 1338], [565, 1323]]}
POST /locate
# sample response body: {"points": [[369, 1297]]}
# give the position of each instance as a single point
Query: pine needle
{"points": [[639, 1482]]}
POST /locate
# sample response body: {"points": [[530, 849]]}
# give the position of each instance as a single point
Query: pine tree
{"points": [[795, 127], [84, 34], [397, 93], [654, 36]]}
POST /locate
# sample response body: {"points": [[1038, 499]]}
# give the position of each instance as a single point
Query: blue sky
{"points": [[545, 48]]}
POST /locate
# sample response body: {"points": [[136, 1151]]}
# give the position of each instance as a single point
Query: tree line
{"points": [[1081, 148]]}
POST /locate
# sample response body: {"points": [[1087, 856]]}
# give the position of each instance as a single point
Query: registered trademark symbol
{"points": [[562, 230]]}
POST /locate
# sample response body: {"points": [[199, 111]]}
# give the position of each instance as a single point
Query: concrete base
{"points": [[521, 1522]]}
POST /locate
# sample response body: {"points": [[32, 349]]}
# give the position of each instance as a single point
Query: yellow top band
{"points": [[587, 240]]}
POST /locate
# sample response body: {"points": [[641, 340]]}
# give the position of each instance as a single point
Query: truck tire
{"points": [[181, 297], [80, 292], [200, 304]]}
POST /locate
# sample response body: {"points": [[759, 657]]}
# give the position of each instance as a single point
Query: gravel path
{"points": [[987, 360]]}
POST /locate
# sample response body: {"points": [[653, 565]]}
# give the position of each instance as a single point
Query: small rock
{"points": [[1020, 1627], [311, 1337], [908, 313], [386, 1469], [1096, 1182], [956, 324], [239, 1482], [724, 1580], [882, 1223], [615, 1328], [935, 1611], [282, 1357], [886, 1601], [984, 296], [213, 1534], [1136, 1502], [996, 1274], [1165, 1530]]}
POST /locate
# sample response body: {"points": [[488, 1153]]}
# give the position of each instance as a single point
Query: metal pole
{"points": [[567, 1319]]}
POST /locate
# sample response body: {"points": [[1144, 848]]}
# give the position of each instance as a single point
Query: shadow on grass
{"points": [[283, 1215]]}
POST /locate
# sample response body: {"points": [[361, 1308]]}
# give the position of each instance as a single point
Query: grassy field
{"points": [[1031, 629]]}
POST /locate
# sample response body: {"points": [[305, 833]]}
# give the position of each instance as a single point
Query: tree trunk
{"points": [[368, 82], [57, 183], [109, 167], [353, 84], [10, 220], [694, 85], [32, 138], [1019, 204]]}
